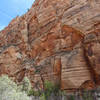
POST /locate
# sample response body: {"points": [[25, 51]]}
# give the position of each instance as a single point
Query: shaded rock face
{"points": [[63, 36]]}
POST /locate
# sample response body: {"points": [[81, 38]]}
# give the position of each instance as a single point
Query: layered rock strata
{"points": [[62, 36]]}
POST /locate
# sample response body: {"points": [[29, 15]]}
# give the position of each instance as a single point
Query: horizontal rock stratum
{"points": [[61, 36]]}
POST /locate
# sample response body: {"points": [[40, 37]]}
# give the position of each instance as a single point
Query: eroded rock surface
{"points": [[63, 36]]}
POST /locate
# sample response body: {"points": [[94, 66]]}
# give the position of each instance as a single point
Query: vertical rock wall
{"points": [[60, 35]]}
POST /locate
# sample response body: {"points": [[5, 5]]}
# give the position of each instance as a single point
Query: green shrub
{"points": [[51, 88], [10, 91], [71, 97], [87, 95], [33, 93], [42, 97], [25, 85]]}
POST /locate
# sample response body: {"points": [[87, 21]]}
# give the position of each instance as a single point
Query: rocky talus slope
{"points": [[63, 36]]}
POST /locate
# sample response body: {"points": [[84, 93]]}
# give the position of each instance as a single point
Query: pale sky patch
{"points": [[1, 27], [9, 9]]}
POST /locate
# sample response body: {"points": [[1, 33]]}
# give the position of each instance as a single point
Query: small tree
{"points": [[25, 85], [10, 91]]}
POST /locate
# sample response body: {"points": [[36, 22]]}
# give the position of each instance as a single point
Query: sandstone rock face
{"points": [[61, 36]]}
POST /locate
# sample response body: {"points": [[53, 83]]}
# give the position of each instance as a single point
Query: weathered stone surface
{"points": [[74, 69], [60, 35]]}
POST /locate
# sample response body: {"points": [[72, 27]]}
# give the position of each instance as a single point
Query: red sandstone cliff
{"points": [[63, 36]]}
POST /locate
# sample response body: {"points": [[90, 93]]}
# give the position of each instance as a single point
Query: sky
{"points": [[9, 9]]}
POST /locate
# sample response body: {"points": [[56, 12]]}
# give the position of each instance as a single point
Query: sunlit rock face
{"points": [[63, 36]]}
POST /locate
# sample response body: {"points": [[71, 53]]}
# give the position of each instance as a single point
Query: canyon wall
{"points": [[61, 36]]}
